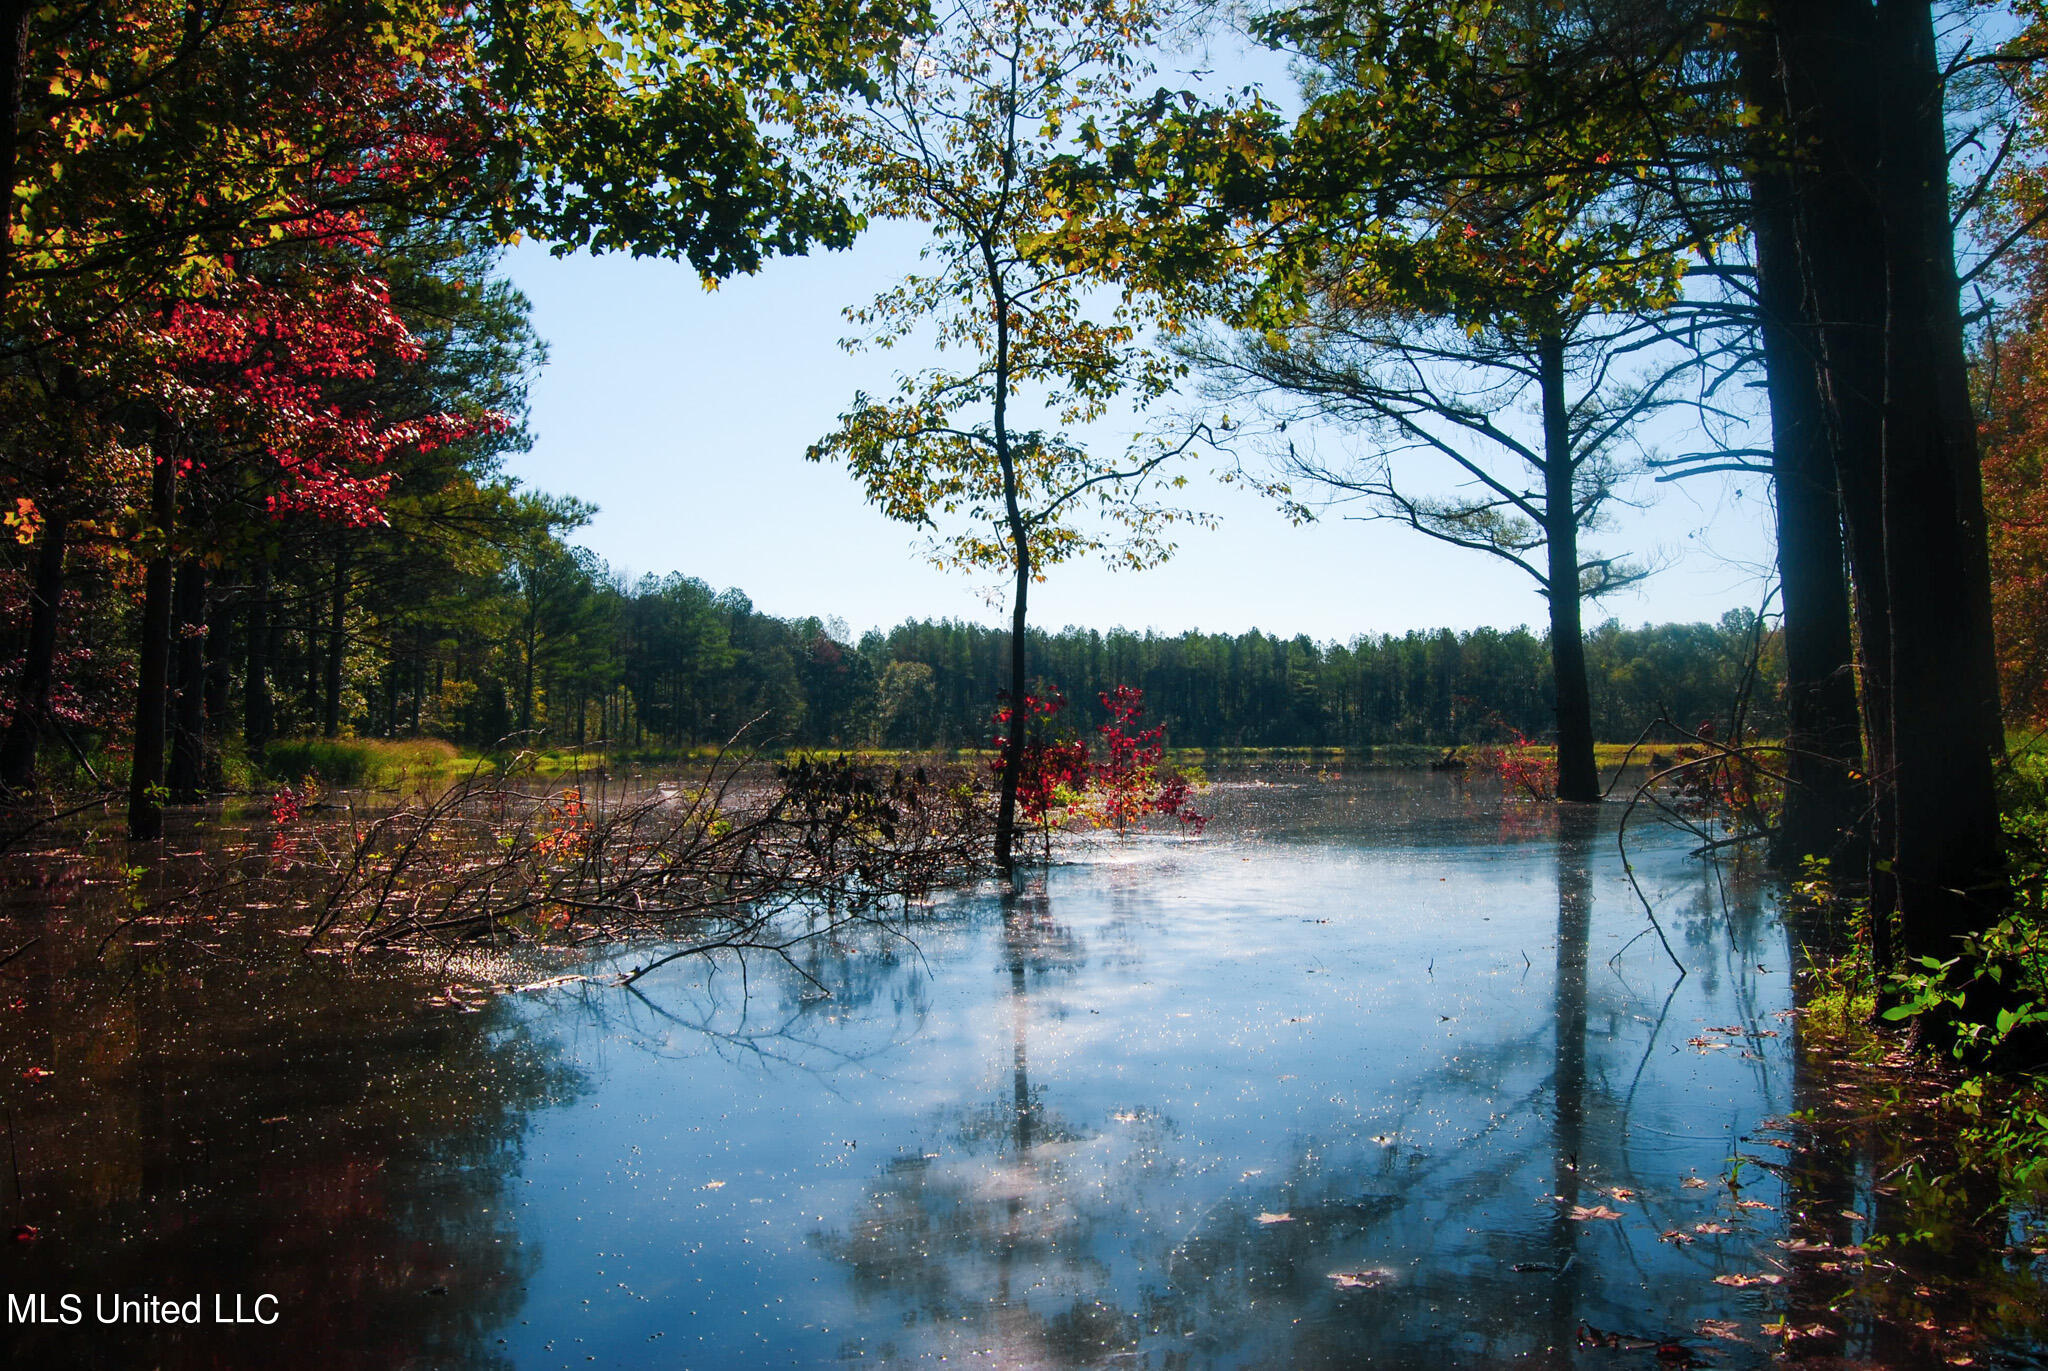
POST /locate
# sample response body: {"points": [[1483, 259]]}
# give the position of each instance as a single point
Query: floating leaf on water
{"points": [[1677, 1235], [1595, 1211], [1362, 1280], [714, 1185], [1741, 1281], [1266, 1218], [1711, 1228], [1753, 1204], [1695, 1183], [1726, 1329]]}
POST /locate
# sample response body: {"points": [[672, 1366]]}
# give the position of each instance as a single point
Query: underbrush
{"points": [[1989, 1001]]}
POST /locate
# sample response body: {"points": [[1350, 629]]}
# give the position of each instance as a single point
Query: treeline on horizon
{"points": [[522, 640]]}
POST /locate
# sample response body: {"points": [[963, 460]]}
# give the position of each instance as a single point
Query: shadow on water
{"points": [[1379, 1072]]}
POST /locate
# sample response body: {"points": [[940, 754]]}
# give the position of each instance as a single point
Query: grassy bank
{"points": [[377, 763], [360, 762]]}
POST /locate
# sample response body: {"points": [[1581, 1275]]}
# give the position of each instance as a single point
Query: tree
{"points": [[1439, 266], [1447, 390], [150, 146], [965, 140], [251, 375], [551, 589], [1862, 109]]}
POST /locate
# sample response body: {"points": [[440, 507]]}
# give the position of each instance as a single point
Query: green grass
{"points": [[371, 762]]}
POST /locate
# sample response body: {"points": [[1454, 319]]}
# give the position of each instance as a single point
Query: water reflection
{"points": [[1484, 1202], [1379, 1072], [1577, 828], [243, 1126]]}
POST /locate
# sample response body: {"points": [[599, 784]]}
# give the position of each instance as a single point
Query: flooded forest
{"points": [[426, 943]]}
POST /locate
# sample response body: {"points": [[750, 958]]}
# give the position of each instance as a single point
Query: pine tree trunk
{"points": [[337, 628], [1877, 255], [14, 21], [188, 671], [1947, 734], [146, 770], [259, 721], [38, 669], [1825, 807], [219, 689]]}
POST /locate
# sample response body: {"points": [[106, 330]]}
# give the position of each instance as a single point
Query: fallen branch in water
{"points": [[724, 863]]}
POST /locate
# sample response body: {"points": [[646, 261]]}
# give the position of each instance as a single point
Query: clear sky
{"points": [[684, 415]]}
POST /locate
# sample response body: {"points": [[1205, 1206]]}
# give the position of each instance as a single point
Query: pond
{"points": [[1381, 1070]]}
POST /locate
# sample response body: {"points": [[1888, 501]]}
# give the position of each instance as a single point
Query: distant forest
{"points": [[554, 647]]}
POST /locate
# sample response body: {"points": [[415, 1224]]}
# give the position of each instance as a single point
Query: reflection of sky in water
{"points": [[1324, 1094]]}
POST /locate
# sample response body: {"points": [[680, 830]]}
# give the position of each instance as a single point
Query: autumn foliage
{"points": [[1130, 779], [2015, 431]]}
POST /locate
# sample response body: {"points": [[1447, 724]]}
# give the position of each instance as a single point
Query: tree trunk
{"points": [[526, 682], [219, 689], [188, 667], [1825, 805], [337, 627], [1947, 733], [1020, 549], [1875, 246], [419, 685], [38, 668], [259, 721], [1578, 779], [1837, 217], [146, 770]]}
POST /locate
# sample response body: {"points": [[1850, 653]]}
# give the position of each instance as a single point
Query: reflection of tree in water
{"points": [[1448, 1204], [999, 1244], [302, 1130], [842, 1001], [1954, 1281]]}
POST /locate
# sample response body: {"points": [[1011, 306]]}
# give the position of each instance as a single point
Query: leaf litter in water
{"points": [[1742, 1282], [1595, 1211], [1362, 1280], [1269, 1219]]}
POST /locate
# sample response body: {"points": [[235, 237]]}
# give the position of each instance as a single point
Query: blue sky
{"points": [[684, 415]]}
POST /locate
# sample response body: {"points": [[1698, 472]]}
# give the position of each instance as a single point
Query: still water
{"points": [[1380, 1071]]}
